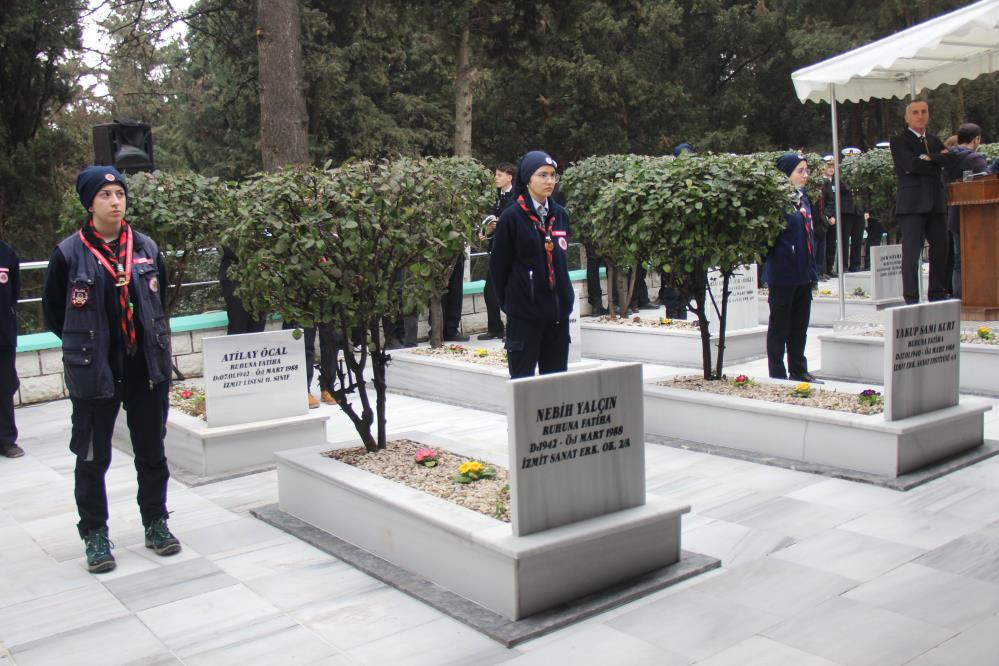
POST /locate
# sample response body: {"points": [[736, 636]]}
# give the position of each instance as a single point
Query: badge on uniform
{"points": [[4, 276], [563, 243], [154, 284], [79, 296]]}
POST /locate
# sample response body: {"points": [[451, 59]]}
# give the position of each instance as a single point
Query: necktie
{"points": [[543, 212]]}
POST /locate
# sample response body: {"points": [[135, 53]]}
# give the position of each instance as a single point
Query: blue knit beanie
{"points": [[530, 163], [93, 178], [788, 161], [682, 148]]}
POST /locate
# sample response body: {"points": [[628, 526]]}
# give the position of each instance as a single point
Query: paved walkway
{"points": [[815, 571]]}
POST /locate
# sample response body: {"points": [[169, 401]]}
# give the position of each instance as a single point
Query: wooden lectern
{"points": [[979, 202]]}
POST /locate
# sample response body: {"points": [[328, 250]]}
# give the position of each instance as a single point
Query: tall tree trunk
{"points": [[284, 134], [464, 82]]}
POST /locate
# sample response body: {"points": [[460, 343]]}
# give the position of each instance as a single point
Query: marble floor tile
{"points": [[783, 515], [977, 646], [169, 584], [242, 493], [931, 595], [848, 554], [311, 588], [348, 622], [981, 475], [123, 641], [919, 529], [26, 580], [58, 613], [776, 586], [975, 555], [734, 544], [278, 641], [212, 620], [235, 537], [693, 625], [849, 495], [421, 646], [598, 646], [762, 651], [852, 633], [273, 560]]}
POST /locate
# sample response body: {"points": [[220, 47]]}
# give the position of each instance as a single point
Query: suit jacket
{"points": [[920, 187]]}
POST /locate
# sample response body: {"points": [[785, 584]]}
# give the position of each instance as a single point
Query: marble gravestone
{"points": [[575, 332], [743, 308], [577, 446], [921, 358], [254, 377], [886, 273]]}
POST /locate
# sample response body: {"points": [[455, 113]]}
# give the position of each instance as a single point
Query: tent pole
{"points": [[839, 216]]}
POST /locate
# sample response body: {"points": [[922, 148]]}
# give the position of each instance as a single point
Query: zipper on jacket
{"points": [[530, 278]]}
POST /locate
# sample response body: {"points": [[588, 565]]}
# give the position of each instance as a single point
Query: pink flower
{"points": [[425, 454], [185, 394]]}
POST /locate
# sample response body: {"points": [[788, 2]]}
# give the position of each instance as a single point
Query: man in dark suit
{"points": [[921, 205]]}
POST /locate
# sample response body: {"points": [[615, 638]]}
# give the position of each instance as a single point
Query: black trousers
{"points": [[853, 237], [790, 309], [453, 299], [831, 242], [640, 292], [310, 351], [240, 321], [93, 426], [541, 344], [8, 387], [329, 349], [594, 291], [874, 233], [494, 322], [916, 229]]}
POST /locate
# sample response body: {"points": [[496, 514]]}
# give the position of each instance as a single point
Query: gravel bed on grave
{"points": [[839, 401], [826, 293], [194, 405], [477, 355], [967, 337], [636, 321], [397, 463]]}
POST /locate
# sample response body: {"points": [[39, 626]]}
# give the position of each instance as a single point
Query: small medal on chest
{"points": [[549, 245]]}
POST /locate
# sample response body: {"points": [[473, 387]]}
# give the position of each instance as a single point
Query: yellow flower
{"points": [[985, 333], [803, 389], [481, 353], [825, 292], [472, 466], [665, 322]]}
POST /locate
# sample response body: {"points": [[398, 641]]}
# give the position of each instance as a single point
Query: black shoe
{"points": [[11, 451], [598, 311], [456, 337], [160, 540], [490, 336], [807, 377], [393, 343], [648, 306], [98, 545]]}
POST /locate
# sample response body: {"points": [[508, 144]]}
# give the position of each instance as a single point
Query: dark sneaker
{"points": [[11, 451], [99, 557], [490, 336], [456, 337], [158, 538]]}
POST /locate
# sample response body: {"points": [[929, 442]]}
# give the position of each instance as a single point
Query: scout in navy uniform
{"points": [[10, 291], [790, 271], [529, 269], [105, 296]]}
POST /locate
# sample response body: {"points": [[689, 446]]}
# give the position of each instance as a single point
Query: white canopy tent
{"points": [[963, 44]]}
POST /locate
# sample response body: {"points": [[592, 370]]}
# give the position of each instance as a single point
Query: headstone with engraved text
{"points": [[743, 308], [886, 273]]}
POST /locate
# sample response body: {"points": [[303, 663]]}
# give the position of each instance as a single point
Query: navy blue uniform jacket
{"points": [[10, 291], [789, 262], [519, 268]]}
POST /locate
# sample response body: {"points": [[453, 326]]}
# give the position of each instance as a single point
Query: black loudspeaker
{"points": [[125, 144]]}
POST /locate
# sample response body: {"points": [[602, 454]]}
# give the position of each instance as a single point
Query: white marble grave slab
{"points": [[577, 446], [886, 276], [575, 332], [743, 309], [254, 377], [921, 358]]}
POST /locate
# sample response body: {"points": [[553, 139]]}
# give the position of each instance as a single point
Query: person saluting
{"points": [[105, 297], [530, 270]]}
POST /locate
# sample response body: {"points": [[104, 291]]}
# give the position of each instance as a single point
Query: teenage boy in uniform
{"points": [[105, 297]]}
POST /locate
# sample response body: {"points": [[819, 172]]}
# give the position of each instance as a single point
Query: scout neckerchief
{"points": [[807, 217], [120, 269], [547, 233]]}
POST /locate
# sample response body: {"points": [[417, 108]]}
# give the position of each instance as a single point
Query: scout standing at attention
{"points": [[105, 296]]}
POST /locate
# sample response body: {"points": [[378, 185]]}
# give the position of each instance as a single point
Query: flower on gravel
{"points": [[480, 352], [859, 291], [473, 470], [426, 456], [636, 319], [742, 381], [825, 292], [665, 321], [456, 348], [869, 397], [802, 390], [186, 394], [985, 334]]}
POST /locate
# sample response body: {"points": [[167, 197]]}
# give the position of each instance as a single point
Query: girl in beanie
{"points": [[530, 271], [789, 269]]}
